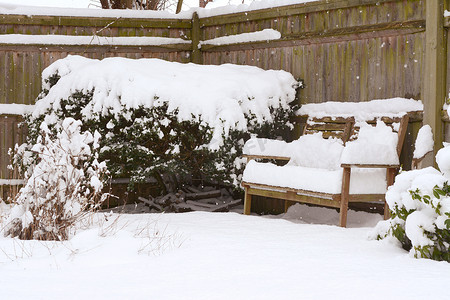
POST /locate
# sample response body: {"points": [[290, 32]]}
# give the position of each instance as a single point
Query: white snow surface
{"points": [[219, 95], [54, 39], [220, 256], [362, 111], [424, 142], [15, 109], [263, 35]]}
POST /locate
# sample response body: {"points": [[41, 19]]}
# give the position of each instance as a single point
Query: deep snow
{"points": [[220, 256]]}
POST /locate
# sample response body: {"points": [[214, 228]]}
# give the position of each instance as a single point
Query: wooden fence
{"points": [[344, 50]]}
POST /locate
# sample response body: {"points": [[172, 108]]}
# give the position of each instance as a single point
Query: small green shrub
{"points": [[419, 203]]}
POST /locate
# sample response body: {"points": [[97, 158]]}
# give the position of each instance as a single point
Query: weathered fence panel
{"points": [[10, 134], [22, 63], [343, 50]]}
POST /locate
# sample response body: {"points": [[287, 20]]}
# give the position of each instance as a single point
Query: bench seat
{"points": [[336, 161], [364, 180]]}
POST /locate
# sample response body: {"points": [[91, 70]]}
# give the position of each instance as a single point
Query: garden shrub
{"points": [[62, 186], [154, 137], [419, 202]]}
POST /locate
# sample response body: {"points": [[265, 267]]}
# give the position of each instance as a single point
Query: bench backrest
{"points": [[345, 128], [330, 127]]}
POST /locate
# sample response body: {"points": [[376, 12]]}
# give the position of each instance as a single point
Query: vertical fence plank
{"points": [[434, 77]]}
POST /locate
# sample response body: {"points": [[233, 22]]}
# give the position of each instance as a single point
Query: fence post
{"points": [[196, 55], [435, 69]]}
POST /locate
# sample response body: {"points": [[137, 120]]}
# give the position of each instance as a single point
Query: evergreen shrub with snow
{"points": [[157, 118], [419, 202], [63, 183]]}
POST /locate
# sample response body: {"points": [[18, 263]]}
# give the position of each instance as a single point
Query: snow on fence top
{"points": [[215, 10], [362, 110], [10, 9], [221, 95], [54, 39], [15, 109], [263, 35]]}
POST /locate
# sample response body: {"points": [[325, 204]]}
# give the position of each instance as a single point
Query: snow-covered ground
{"points": [[220, 256]]}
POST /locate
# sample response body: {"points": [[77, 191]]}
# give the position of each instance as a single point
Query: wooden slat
{"points": [[366, 198], [292, 196], [332, 134], [326, 119], [95, 48], [298, 191], [326, 126], [376, 166]]}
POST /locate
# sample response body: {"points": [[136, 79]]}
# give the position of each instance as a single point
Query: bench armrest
{"points": [[250, 157], [385, 166]]}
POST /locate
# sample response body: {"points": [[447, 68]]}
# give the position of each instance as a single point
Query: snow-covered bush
{"points": [[157, 117], [419, 202], [63, 183]]}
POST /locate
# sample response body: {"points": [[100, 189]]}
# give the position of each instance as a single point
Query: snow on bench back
{"points": [[374, 145], [362, 111]]}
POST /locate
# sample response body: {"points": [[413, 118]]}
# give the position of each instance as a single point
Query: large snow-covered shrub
{"points": [[419, 202], [62, 184], [157, 117]]}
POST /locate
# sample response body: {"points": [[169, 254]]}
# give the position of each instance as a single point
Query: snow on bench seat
{"points": [[364, 181]]}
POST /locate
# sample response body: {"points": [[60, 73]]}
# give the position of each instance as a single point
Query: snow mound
{"points": [[424, 142], [221, 96], [375, 145]]}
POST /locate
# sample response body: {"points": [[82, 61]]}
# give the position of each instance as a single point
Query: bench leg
{"points": [[344, 197], [390, 177], [287, 203], [247, 202]]}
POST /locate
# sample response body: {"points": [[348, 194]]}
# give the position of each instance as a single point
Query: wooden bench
{"points": [[345, 129]]}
